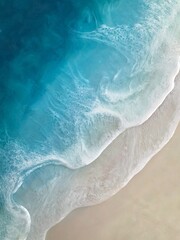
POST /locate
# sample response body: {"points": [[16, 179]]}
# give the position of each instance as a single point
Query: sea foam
{"points": [[74, 77]]}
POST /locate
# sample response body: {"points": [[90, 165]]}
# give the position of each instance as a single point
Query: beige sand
{"points": [[148, 208]]}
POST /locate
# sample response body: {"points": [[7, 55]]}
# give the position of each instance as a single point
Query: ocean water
{"points": [[74, 76]]}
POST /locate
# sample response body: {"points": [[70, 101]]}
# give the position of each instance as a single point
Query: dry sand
{"points": [[148, 208]]}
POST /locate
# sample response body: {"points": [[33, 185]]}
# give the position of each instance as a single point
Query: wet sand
{"points": [[148, 208]]}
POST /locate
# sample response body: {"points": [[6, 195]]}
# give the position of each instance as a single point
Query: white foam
{"points": [[98, 181]]}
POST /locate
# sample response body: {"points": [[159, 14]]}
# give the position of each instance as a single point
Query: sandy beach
{"points": [[147, 208]]}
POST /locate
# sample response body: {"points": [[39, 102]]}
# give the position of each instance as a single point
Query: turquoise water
{"points": [[73, 76]]}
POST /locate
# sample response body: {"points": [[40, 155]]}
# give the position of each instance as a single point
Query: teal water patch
{"points": [[73, 76]]}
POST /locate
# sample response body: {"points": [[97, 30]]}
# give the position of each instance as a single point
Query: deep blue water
{"points": [[74, 75]]}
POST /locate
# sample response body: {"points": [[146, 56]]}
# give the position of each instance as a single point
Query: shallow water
{"points": [[74, 76]]}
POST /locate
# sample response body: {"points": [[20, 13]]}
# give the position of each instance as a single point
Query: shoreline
{"points": [[102, 178], [154, 180]]}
